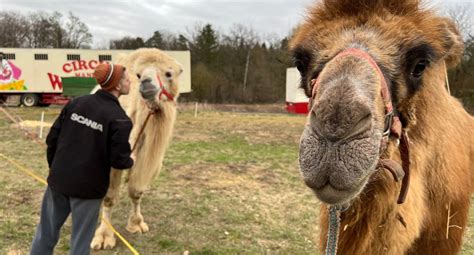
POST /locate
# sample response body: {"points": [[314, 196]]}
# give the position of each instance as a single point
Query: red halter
{"points": [[164, 91]]}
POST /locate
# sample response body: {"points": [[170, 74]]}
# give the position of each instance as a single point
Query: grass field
{"points": [[230, 185]]}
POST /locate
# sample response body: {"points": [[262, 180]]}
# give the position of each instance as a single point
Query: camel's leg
{"points": [[139, 180], [136, 223], [104, 236]]}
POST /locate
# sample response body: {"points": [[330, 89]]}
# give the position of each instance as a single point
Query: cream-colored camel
{"points": [[348, 51], [147, 68]]}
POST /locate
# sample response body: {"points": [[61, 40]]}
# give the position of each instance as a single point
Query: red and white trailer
{"points": [[296, 100], [33, 76]]}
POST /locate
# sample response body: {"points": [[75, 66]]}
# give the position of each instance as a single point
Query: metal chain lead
{"points": [[333, 229]]}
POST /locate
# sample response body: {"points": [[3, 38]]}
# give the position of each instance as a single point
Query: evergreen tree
{"points": [[206, 45], [156, 41]]}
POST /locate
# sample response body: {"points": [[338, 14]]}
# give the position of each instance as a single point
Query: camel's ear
{"points": [[452, 42]]}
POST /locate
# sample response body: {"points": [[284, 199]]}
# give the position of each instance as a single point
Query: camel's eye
{"points": [[302, 60], [139, 76], [169, 74], [419, 67], [417, 59], [300, 66]]}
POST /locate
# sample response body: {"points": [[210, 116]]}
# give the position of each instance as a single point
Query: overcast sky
{"points": [[112, 19]]}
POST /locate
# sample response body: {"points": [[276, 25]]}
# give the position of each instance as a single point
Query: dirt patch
{"points": [[33, 124], [261, 108], [15, 252]]}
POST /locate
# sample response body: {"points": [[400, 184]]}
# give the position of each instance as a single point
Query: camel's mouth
{"points": [[332, 195], [338, 171]]}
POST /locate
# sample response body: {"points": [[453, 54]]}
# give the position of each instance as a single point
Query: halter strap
{"points": [[164, 91]]}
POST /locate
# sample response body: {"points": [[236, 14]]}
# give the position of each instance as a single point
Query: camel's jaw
{"points": [[338, 172]]}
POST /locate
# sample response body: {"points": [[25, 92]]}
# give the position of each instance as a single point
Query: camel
{"points": [[383, 127], [154, 88]]}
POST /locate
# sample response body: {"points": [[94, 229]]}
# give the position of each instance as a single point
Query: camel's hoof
{"points": [[103, 241], [141, 227]]}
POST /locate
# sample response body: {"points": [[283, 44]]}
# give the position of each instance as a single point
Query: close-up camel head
{"points": [[158, 77], [362, 63]]}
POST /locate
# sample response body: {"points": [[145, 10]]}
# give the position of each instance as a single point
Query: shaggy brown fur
{"points": [[152, 144], [396, 33]]}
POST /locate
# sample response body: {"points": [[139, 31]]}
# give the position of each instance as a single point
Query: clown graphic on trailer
{"points": [[8, 71], [5, 70]]}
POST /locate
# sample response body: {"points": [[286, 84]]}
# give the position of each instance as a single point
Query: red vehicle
{"points": [[296, 100]]}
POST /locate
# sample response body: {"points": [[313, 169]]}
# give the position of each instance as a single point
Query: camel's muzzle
{"points": [[148, 90]]}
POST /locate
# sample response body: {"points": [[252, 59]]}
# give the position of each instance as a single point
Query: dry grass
{"points": [[230, 185]]}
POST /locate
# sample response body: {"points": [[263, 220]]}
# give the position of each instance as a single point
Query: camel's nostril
{"points": [[340, 121], [360, 126]]}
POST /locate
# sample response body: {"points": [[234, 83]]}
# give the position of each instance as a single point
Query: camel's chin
{"points": [[338, 171], [152, 103], [330, 195]]}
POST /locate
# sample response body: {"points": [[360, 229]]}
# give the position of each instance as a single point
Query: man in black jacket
{"points": [[88, 138]]}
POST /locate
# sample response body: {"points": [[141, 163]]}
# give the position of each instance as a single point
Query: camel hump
{"points": [[340, 8]]}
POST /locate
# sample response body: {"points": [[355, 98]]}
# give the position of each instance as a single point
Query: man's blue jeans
{"points": [[55, 209]]}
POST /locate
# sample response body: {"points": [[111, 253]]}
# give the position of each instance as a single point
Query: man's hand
{"points": [[132, 156]]}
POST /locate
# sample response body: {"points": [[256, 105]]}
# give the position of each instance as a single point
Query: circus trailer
{"points": [[34, 76], [296, 100]]}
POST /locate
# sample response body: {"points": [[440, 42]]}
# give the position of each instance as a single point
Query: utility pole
{"points": [[246, 69]]}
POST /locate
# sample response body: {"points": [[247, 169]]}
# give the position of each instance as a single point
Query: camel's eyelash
{"points": [[420, 51], [302, 59]]}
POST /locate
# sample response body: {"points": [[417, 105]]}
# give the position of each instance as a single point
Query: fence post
{"points": [[195, 110], [41, 125]]}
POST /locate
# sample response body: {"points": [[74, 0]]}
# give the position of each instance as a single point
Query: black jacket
{"points": [[89, 136]]}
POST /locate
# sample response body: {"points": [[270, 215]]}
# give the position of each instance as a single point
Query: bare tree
{"points": [[241, 36], [58, 33], [14, 29], [462, 15], [77, 33], [41, 30]]}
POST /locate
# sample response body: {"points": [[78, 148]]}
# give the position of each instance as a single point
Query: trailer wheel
{"points": [[3, 99], [29, 100]]}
